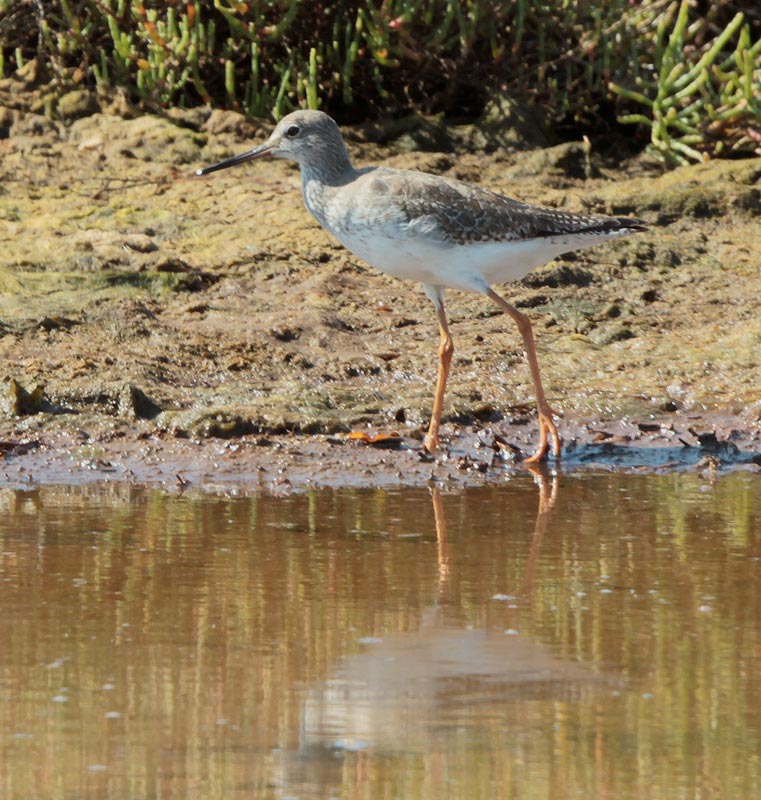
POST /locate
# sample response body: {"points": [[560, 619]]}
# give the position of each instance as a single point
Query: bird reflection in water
{"points": [[407, 692]]}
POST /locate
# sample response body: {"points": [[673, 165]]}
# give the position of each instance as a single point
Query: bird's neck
{"points": [[330, 168], [320, 180], [313, 190], [322, 177]]}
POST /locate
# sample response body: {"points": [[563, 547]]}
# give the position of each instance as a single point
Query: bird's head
{"points": [[307, 137]]}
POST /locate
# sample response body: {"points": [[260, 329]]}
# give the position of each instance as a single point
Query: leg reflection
{"points": [[548, 493], [442, 549]]}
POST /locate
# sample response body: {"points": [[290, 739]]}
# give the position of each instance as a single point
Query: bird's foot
{"points": [[548, 433], [431, 442]]}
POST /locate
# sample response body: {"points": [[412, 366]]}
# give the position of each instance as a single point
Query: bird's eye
{"points": [[293, 131]]}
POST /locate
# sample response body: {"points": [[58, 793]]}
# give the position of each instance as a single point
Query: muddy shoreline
{"points": [[155, 324], [281, 463]]}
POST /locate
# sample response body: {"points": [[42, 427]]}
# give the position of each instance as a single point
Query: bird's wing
{"points": [[460, 213]]}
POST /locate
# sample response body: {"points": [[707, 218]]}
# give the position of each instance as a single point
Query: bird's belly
{"points": [[402, 257], [499, 262], [472, 266], [406, 258]]}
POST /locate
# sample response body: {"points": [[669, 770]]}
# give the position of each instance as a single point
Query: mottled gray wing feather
{"points": [[464, 213]]}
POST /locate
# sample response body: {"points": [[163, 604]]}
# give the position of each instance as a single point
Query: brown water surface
{"points": [[599, 637]]}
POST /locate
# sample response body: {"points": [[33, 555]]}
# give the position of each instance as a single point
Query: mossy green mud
{"points": [[152, 305]]}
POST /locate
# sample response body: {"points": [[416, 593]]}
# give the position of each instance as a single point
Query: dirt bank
{"points": [[163, 313]]}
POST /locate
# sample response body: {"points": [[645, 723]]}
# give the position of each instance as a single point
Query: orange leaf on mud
{"points": [[391, 440]]}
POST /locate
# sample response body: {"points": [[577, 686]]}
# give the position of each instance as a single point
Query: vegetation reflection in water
{"points": [[600, 637]]}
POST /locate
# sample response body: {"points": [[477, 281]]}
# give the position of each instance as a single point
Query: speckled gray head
{"points": [[311, 138]]}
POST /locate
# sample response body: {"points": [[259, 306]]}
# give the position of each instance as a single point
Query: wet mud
{"points": [[473, 455], [161, 327]]}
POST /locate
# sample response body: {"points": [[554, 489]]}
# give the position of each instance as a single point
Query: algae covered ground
{"points": [[149, 315]]}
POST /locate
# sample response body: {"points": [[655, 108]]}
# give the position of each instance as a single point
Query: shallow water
{"points": [[599, 637]]}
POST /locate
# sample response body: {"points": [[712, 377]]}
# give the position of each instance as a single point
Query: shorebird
{"points": [[441, 232]]}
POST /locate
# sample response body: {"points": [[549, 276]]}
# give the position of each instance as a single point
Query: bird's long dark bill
{"points": [[249, 155]]}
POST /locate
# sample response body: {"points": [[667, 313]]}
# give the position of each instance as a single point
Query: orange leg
{"points": [[446, 348], [547, 428]]}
